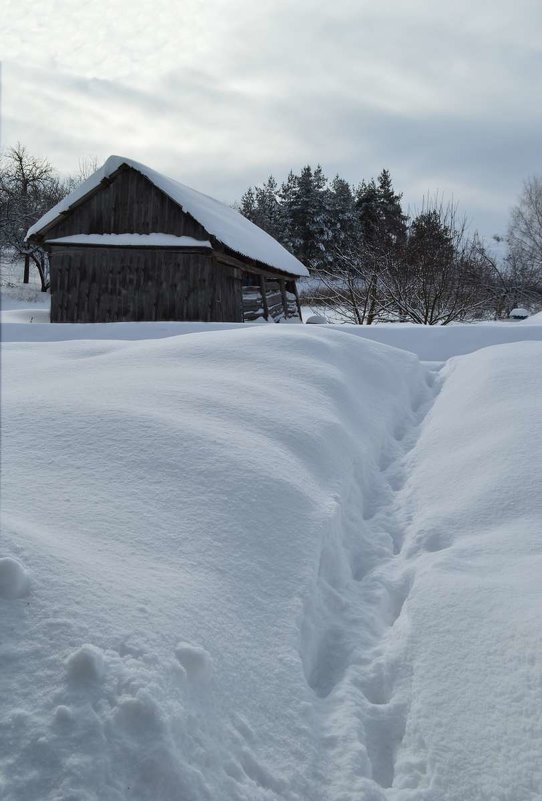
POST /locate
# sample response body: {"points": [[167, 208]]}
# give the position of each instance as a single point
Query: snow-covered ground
{"points": [[29, 322], [270, 562], [13, 293]]}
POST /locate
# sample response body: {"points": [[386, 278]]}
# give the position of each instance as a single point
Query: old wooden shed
{"points": [[132, 244]]}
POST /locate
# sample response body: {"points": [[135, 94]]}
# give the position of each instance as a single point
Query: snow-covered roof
{"points": [[227, 225], [132, 240]]}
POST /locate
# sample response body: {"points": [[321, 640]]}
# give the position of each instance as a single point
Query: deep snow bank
{"points": [[472, 508], [188, 511]]}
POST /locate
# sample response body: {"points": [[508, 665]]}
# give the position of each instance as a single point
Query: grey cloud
{"points": [[446, 96]]}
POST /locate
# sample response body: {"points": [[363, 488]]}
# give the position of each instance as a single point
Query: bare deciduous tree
{"points": [[435, 282], [431, 279], [28, 187], [352, 285], [86, 166], [525, 231], [503, 282]]}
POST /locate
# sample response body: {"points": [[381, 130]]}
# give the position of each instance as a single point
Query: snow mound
{"points": [[519, 314], [190, 485], [14, 580], [316, 319], [347, 541], [473, 507], [195, 660], [85, 665], [535, 319]]}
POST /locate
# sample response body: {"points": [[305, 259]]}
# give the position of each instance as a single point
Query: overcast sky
{"points": [[221, 93]]}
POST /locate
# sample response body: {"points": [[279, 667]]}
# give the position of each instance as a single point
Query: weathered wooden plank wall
{"points": [[98, 284], [128, 203]]}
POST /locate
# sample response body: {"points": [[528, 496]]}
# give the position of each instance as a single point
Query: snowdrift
{"points": [[177, 505], [269, 563], [474, 499]]}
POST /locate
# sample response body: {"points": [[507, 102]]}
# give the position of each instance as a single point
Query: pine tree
{"points": [[369, 214], [430, 246], [286, 196], [383, 224], [317, 221], [247, 205], [305, 202], [270, 214], [261, 205], [343, 217], [393, 220]]}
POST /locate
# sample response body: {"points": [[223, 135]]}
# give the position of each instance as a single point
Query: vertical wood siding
{"points": [[95, 284], [128, 203]]}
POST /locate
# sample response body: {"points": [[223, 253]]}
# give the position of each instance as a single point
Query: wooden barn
{"points": [[132, 244]]}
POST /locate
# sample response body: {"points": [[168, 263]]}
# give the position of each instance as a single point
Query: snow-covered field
{"points": [[270, 562], [30, 323]]}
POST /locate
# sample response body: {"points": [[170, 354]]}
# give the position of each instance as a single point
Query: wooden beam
{"points": [[65, 247], [251, 266], [231, 261]]}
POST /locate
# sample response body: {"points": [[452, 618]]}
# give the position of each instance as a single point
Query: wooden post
{"points": [[296, 293], [264, 298], [284, 298]]}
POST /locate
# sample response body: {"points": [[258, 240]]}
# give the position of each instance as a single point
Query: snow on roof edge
{"points": [[227, 225], [131, 240]]}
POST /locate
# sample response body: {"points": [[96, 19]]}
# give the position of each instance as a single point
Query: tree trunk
{"points": [[39, 261], [371, 314], [26, 276]]}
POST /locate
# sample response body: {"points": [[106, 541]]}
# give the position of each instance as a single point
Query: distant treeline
{"points": [[315, 218], [374, 262], [370, 259]]}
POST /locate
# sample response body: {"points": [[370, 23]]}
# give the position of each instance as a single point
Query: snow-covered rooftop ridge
{"points": [[132, 240], [221, 221]]}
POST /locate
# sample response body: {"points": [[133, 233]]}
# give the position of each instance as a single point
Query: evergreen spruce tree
{"points": [[270, 213], [286, 195], [382, 222], [393, 221], [317, 221], [342, 215], [247, 205], [261, 205], [430, 247], [305, 203], [369, 214]]}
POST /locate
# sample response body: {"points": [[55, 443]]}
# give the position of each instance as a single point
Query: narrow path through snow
{"points": [[353, 635]]}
